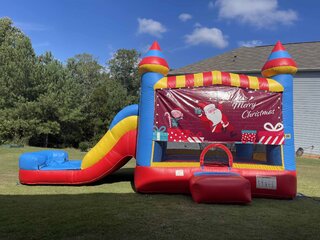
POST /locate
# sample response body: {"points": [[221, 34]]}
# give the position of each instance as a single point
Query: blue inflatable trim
{"points": [[131, 110], [216, 174], [279, 54], [67, 165], [154, 53], [48, 160]]}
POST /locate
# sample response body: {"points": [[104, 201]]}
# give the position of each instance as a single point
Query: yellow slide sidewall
{"points": [[109, 140]]}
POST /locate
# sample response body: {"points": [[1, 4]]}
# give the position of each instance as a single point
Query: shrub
{"points": [[84, 146]]}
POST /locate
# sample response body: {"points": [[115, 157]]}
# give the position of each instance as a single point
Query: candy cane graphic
{"points": [[169, 118]]}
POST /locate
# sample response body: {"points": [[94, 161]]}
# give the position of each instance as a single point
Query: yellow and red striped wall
{"points": [[219, 78]]}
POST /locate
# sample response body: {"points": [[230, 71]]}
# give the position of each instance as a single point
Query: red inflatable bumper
{"points": [[220, 188], [264, 183]]}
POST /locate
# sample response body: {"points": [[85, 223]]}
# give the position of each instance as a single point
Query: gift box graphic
{"points": [[248, 136], [273, 135], [160, 134], [178, 135]]}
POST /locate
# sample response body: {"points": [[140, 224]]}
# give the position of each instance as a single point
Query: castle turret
{"points": [[281, 67], [154, 61], [279, 62], [153, 67]]}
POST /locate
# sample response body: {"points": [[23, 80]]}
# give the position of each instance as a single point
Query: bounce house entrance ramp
{"points": [[220, 187]]}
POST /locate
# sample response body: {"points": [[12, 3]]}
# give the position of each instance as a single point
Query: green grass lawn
{"points": [[112, 210]]}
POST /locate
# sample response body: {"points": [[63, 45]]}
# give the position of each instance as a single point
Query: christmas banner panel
{"points": [[218, 113]]}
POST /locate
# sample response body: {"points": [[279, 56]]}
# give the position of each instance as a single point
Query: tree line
{"points": [[44, 102]]}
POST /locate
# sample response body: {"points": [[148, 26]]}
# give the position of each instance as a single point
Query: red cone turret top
{"points": [[279, 62], [278, 47], [154, 61], [155, 46]]}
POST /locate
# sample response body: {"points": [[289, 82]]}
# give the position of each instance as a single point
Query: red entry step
{"points": [[220, 187]]}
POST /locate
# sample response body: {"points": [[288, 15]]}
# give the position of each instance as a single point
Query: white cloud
{"points": [[197, 25], [150, 26], [204, 35], [251, 43], [259, 13], [185, 17], [211, 5]]}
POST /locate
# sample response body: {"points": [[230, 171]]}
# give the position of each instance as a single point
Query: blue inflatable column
{"points": [[281, 67], [153, 67], [287, 110]]}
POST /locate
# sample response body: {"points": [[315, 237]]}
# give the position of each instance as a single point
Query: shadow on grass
{"points": [[145, 216], [303, 196], [122, 175]]}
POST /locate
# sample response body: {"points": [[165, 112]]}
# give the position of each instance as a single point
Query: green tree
{"points": [[86, 71], [17, 59], [123, 68], [58, 107], [101, 97], [44, 102], [108, 98]]}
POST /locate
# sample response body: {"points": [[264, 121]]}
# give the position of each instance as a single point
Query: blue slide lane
{"points": [[131, 110]]}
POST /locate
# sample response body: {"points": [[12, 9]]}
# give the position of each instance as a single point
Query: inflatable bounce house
{"points": [[220, 136]]}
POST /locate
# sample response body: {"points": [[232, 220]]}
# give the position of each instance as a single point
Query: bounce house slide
{"points": [[113, 151]]}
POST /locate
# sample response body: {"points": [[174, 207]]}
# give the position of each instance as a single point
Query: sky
{"points": [[188, 31]]}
